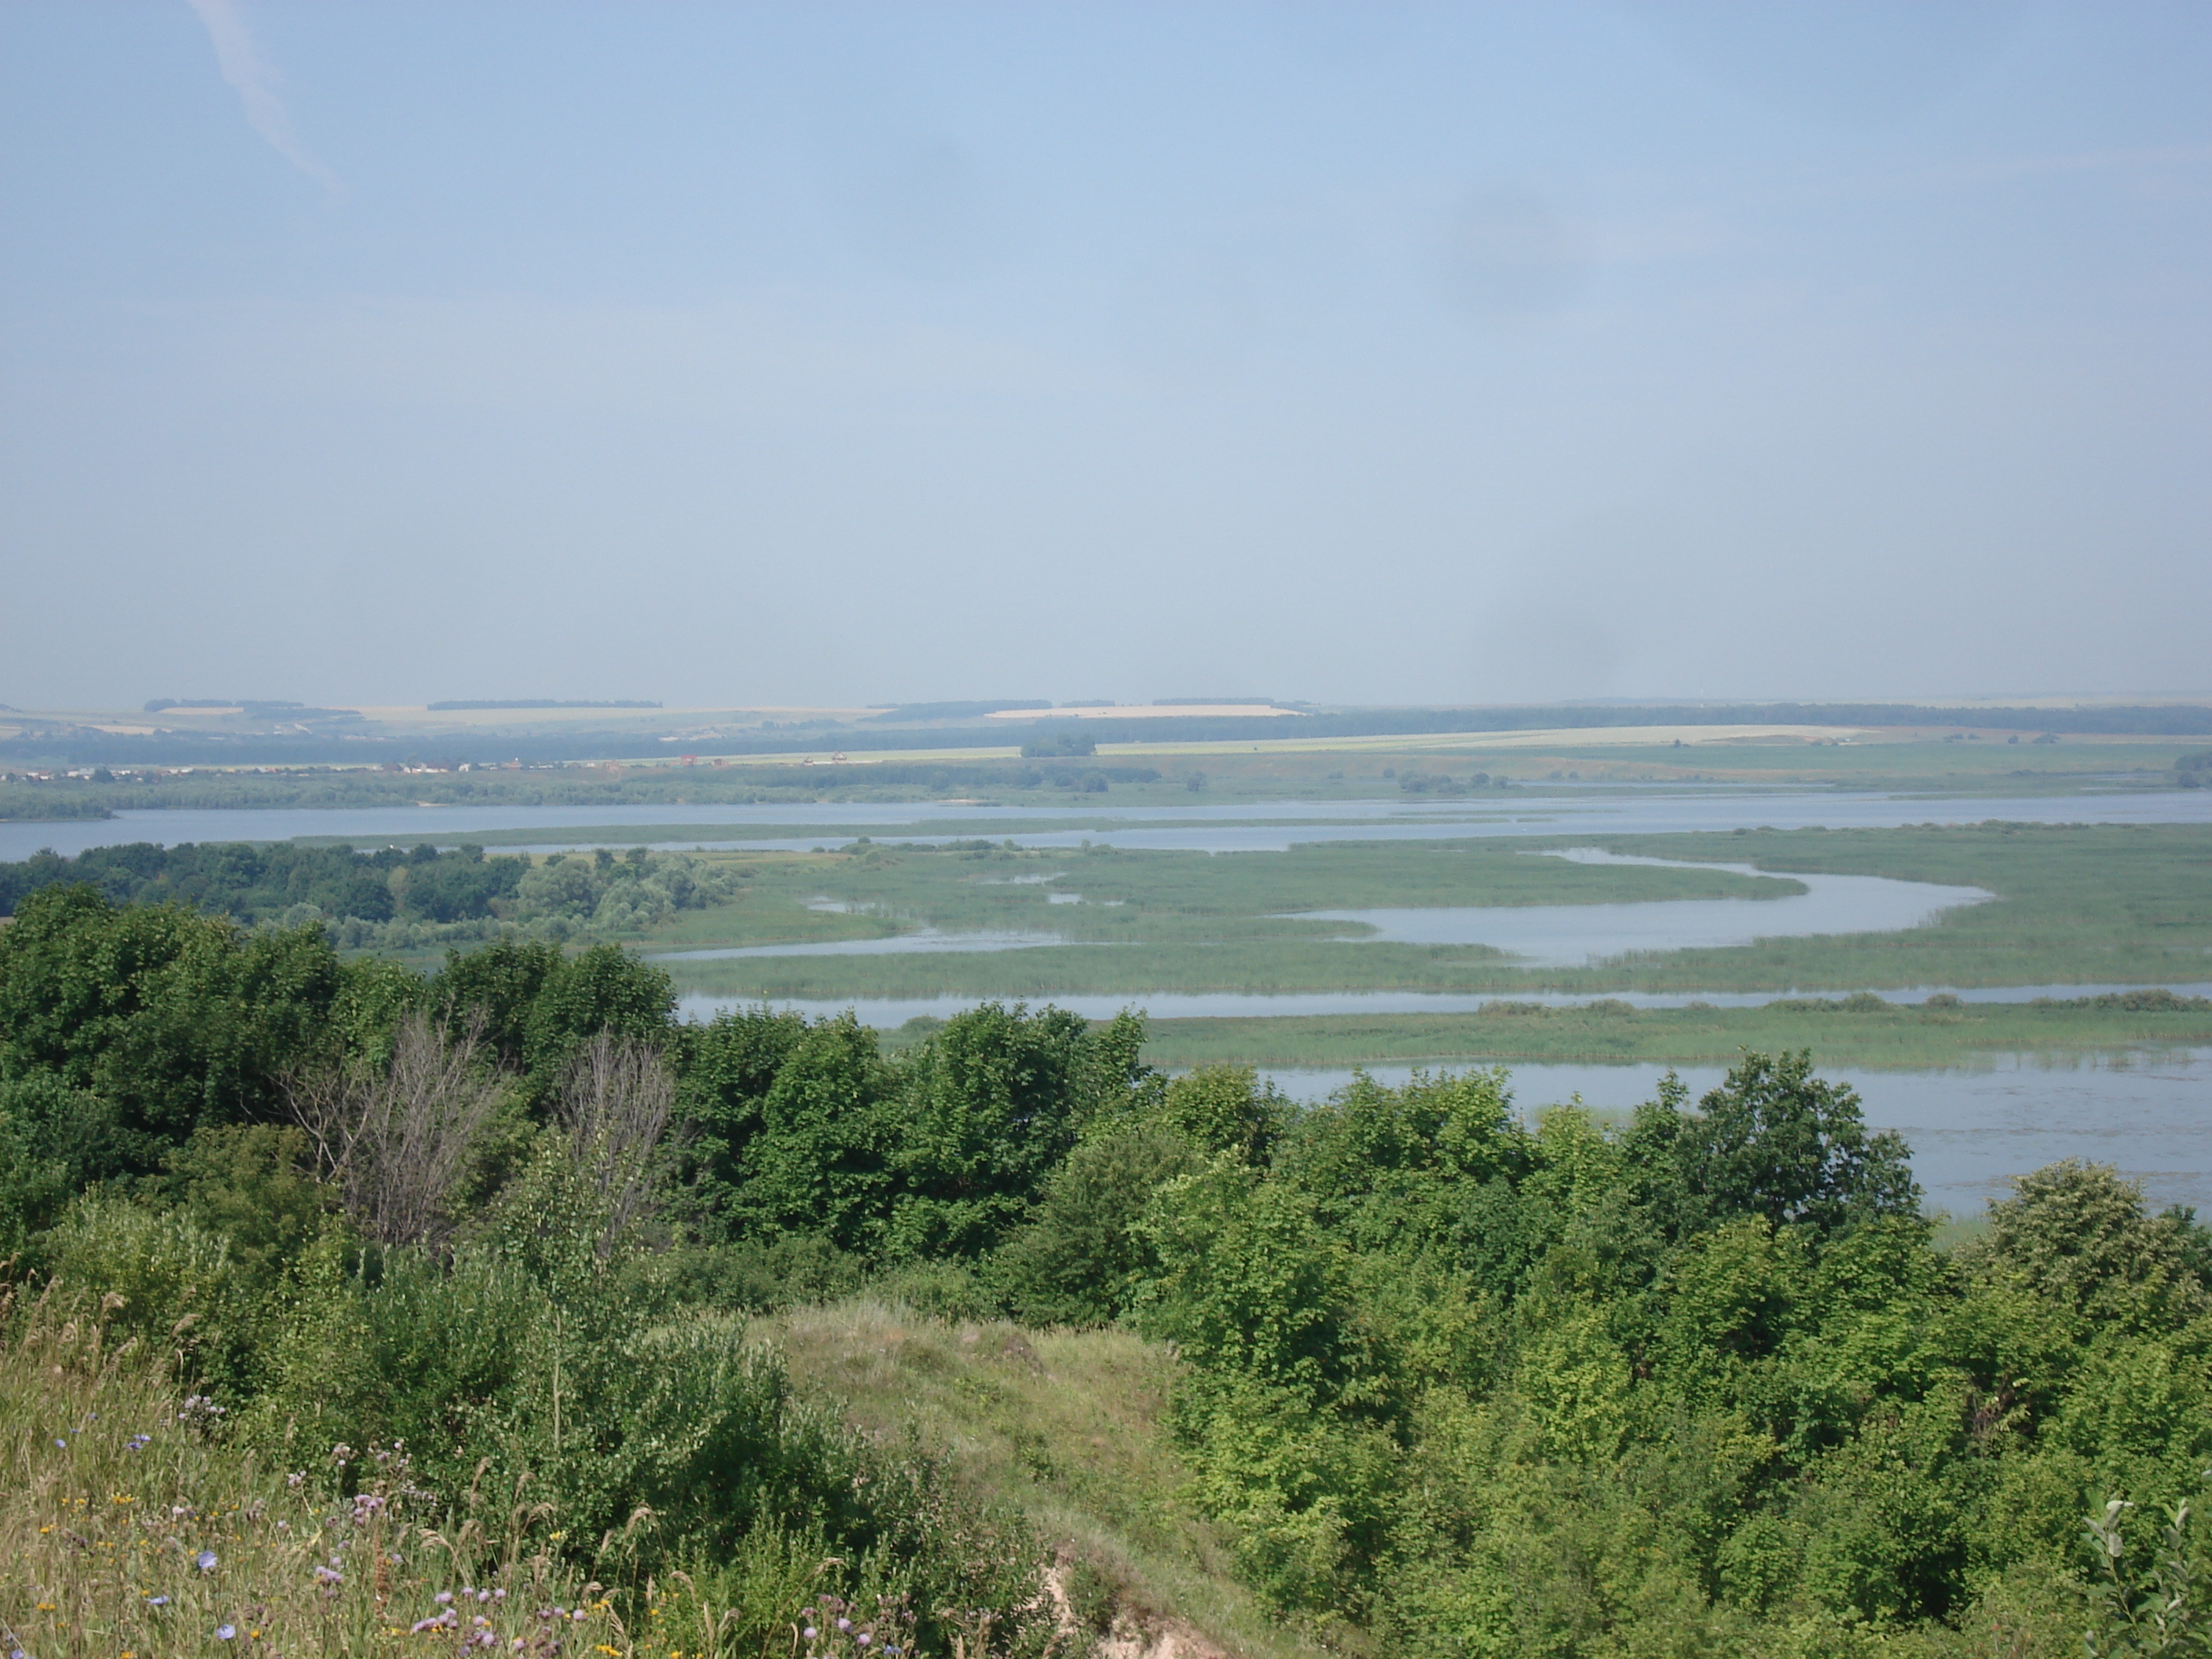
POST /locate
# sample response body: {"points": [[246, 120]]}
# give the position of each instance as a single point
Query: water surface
{"points": [[1579, 935], [1237, 827]]}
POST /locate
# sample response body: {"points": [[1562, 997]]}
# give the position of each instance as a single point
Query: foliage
{"points": [[1060, 745], [1446, 1378], [174, 1019], [388, 899]]}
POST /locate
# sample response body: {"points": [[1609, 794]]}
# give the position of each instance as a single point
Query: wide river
{"points": [[1595, 809]]}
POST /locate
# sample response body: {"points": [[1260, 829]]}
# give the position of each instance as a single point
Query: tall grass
{"points": [[136, 1521], [131, 1525]]}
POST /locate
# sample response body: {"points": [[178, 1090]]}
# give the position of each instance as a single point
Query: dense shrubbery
{"points": [[389, 899], [1452, 1383]]}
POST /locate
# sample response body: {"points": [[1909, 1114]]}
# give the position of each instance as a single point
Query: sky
{"points": [[835, 353]]}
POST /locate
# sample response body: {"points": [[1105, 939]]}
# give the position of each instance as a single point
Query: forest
{"points": [[343, 1301], [388, 898]]}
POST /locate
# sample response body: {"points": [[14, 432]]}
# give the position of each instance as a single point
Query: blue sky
{"points": [[819, 352]]}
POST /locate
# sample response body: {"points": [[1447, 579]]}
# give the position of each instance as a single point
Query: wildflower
{"points": [[443, 1598], [157, 1601], [499, 1596], [63, 1444], [810, 1633], [225, 1633], [206, 1560], [864, 1638], [138, 1443], [329, 1576], [294, 1480], [484, 1595], [844, 1624]]}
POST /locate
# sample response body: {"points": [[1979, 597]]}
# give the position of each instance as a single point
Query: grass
{"points": [[133, 1522], [130, 1526], [1066, 1425], [1859, 1032], [2075, 904]]}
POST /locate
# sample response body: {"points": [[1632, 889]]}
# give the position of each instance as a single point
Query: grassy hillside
{"points": [[1068, 1427]]}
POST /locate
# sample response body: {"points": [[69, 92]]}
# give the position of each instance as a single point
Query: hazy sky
{"points": [[821, 352]]}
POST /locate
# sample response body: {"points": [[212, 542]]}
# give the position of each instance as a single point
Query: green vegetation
{"points": [[388, 900], [1862, 1030], [333, 1287], [2075, 903]]}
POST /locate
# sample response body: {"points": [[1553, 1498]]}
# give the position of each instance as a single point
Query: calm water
{"points": [[1576, 935], [1243, 827], [1971, 1130]]}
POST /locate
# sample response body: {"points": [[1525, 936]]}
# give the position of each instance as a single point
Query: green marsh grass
{"points": [[2080, 904], [1859, 1031]]}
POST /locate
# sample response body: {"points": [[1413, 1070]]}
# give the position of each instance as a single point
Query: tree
{"points": [[1060, 745], [178, 1020], [818, 1162], [1775, 1140], [991, 1108]]}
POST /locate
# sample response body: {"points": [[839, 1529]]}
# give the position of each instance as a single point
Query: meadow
{"points": [[2075, 904]]}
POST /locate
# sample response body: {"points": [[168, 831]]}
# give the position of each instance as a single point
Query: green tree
{"points": [[176, 1020], [1775, 1140], [989, 1108], [819, 1162]]}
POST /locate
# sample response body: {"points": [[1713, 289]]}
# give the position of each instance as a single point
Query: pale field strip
{"points": [[1569, 738], [1145, 711], [1561, 737]]}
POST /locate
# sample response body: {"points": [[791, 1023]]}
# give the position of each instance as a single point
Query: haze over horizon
{"points": [[860, 354]]}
